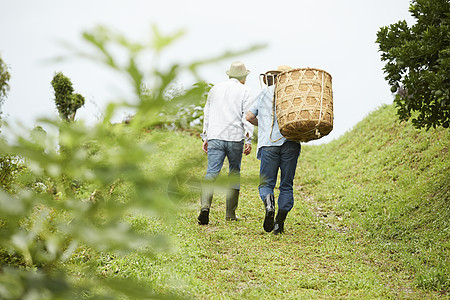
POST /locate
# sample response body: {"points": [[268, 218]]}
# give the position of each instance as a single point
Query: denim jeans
{"points": [[284, 158], [217, 151]]}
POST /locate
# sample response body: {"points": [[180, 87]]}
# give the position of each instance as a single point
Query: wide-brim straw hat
{"points": [[237, 69], [280, 69]]}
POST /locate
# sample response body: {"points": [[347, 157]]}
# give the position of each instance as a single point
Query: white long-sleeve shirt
{"points": [[225, 110]]}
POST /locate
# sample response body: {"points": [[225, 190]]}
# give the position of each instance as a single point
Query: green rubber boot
{"points": [[231, 205]]}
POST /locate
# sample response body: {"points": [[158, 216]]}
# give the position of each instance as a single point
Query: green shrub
{"points": [[10, 167]]}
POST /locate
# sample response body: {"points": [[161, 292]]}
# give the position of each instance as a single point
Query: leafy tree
{"points": [[66, 101], [4, 81], [10, 166], [418, 63]]}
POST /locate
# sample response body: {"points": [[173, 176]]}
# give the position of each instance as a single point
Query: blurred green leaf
{"points": [[78, 193], [159, 41]]}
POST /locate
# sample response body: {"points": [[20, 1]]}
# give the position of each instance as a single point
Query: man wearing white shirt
{"points": [[226, 133]]}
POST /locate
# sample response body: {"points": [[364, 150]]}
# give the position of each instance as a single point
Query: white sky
{"points": [[334, 35]]}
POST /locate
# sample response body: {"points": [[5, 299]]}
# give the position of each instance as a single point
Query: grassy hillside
{"points": [[391, 183], [370, 221]]}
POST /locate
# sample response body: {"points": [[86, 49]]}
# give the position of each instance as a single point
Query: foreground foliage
{"points": [[77, 190]]}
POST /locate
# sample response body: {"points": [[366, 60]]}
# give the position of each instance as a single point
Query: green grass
{"points": [[370, 221], [393, 183]]}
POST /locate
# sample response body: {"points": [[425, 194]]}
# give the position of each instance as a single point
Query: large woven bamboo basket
{"points": [[304, 104]]}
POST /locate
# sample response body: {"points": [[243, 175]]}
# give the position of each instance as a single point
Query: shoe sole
{"points": [[268, 221]]}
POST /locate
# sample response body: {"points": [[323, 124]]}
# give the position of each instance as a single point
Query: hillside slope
{"points": [[389, 182], [370, 221]]}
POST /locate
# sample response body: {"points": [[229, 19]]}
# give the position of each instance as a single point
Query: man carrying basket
{"points": [[276, 153]]}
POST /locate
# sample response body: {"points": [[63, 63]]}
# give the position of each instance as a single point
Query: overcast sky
{"points": [[337, 36]]}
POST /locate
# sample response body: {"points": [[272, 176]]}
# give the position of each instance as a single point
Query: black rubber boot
{"points": [[279, 222], [231, 205], [269, 203]]}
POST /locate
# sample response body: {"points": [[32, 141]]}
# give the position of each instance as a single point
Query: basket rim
{"points": [[306, 68]]}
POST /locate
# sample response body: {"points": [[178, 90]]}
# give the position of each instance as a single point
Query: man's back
{"points": [[225, 110]]}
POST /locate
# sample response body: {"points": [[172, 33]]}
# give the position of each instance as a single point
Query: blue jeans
{"points": [[284, 158], [217, 151]]}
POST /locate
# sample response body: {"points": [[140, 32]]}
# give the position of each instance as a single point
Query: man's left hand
{"points": [[247, 149]]}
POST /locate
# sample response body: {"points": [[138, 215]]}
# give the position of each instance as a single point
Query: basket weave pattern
{"points": [[304, 104]]}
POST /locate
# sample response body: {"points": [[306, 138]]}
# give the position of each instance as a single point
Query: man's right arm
{"points": [[251, 115], [251, 118]]}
